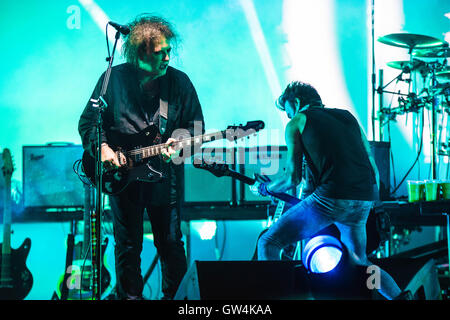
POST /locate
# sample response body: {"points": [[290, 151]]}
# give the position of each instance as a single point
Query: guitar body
{"points": [[373, 238], [135, 169], [18, 283], [287, 253]]}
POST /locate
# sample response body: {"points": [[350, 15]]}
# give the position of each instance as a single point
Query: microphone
{"points": [[121, 28]]}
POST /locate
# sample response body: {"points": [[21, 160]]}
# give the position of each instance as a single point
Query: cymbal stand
{"points": [[434, 108]]}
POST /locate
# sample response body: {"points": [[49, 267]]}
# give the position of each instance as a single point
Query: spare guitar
{"points": [[141, 163], [15, 278], [78, 282]]}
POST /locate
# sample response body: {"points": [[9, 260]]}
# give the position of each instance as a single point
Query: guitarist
{"points": [[142, 92], [341, 178]]}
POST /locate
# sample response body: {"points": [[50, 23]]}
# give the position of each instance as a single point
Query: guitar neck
{"points": [[279, 195], [6, 247], [155, 150]]}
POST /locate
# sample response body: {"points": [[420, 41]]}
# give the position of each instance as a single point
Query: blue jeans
{"points": [[316, 213], [312, 215]]}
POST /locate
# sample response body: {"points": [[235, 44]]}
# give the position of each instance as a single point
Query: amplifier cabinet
{"points": [[201, 187], [49, 180], [263, 160]]}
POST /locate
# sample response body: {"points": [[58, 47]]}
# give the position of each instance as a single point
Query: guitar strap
{"points": [[163, 115], [163, 103]]}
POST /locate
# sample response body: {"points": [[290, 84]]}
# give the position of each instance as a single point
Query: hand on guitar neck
{"points": [[260, 185], [222, 169]]}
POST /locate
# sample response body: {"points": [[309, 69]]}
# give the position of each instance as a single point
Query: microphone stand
{"points": [[434, 110], [102, 105]]}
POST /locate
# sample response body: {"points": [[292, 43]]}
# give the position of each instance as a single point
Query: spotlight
{"points": [[322, 254], [332, 272]]}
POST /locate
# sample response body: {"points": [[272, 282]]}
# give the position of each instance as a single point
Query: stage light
{"points": [[205, 229], [322, 254]]}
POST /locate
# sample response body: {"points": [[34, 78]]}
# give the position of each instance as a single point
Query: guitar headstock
{"points": [[217, 169], [8, 166], [241, 131]]}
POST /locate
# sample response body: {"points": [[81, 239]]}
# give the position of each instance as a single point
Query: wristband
{"points": [[262, 189]]}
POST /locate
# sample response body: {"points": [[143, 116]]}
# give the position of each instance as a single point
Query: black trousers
{"points": [[128, 215]]}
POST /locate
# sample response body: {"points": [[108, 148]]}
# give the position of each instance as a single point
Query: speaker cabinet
{"points": [[49, 180], [202, 187], [280, 280], [241, 280]]}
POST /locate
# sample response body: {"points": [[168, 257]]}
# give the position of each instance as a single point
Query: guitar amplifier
{"points": [[49, 180], [263, 160], [201, 187]]}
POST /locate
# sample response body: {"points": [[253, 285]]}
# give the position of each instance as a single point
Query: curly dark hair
{"points": [[146, 31], [305, 92]]}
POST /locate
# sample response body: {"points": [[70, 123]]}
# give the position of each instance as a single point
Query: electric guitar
{"points": [[141, 155], [79, 282], [220, 170], [15, 278], [284, 200], [223, 170]]}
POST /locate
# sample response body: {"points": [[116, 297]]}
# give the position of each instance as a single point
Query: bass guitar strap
{"points": [[163, 104], [163, 115]]}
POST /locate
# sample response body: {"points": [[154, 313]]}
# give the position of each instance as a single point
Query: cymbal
{"points": [[406, 66], [410, 40], [433, 53]]}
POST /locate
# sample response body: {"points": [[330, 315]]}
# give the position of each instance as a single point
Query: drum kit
{"points": [[428, 58]]}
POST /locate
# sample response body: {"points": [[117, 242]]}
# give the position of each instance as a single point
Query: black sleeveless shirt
{"points": [[336, 156]]}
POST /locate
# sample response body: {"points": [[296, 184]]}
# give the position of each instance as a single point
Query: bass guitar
{"points": [[220, 170], [141, 163], [285, 201], [15, 278]]}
